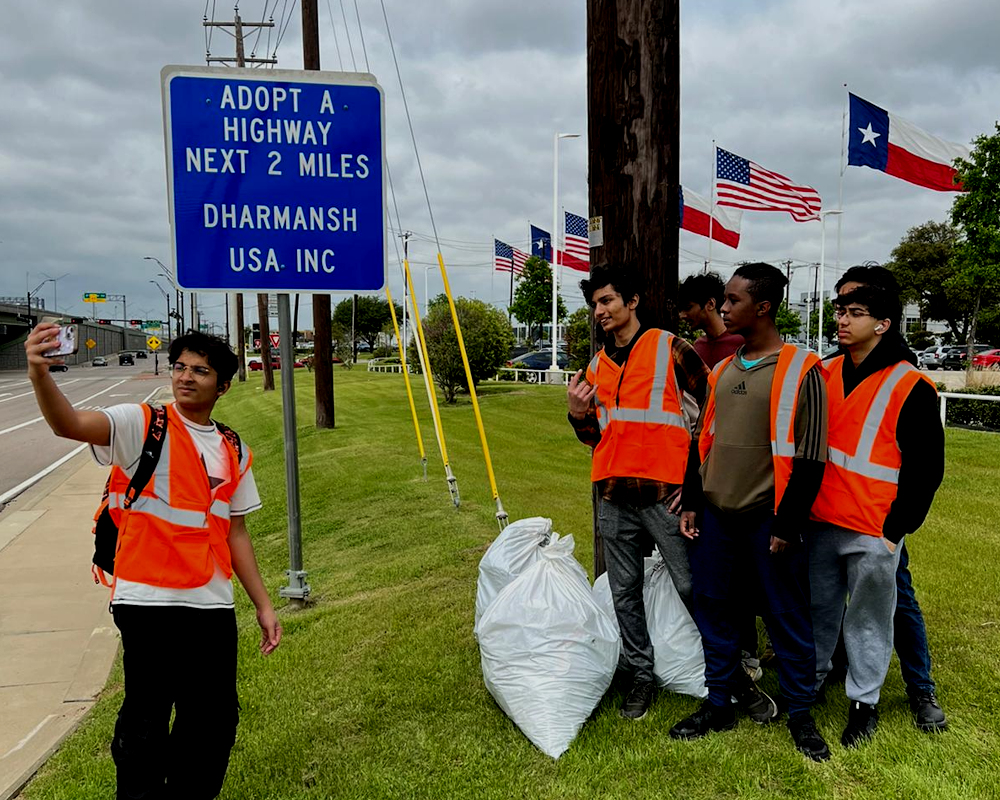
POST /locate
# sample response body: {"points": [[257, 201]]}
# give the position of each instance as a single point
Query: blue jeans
{"points": [[910, 633]]}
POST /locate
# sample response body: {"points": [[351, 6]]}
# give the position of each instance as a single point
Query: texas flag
{"points": [[885, 142], [696, 211]]}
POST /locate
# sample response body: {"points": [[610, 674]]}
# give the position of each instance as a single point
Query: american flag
{"points": [[742, 184], [577, 244], [507, 258]]}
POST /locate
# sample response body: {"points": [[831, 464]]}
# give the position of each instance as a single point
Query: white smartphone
{"points": [[66, 342]]}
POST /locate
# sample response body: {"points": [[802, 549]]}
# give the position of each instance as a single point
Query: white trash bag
{"points": [[513, 551], [678, 657], [548, 651]]}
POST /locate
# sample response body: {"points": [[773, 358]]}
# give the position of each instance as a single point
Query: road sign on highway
{"points": [[95, 297], [91, 344], [153, 343], [275, 180]]}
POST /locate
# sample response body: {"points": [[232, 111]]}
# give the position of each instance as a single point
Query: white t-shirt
{"points": [[128, 432]]}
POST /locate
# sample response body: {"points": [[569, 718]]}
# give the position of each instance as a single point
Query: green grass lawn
{"points": [[376, 690]]}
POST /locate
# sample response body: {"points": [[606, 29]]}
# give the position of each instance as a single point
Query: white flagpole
{"points": [[493, 269], [843, 169], [711, 207]]}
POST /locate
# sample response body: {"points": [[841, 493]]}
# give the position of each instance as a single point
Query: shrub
{"points": [[979, 414]]}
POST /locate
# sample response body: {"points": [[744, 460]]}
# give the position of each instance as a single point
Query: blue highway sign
{"points": [[275, 179]]}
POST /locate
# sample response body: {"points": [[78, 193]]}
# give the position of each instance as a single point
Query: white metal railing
{"points": [[521, 375], [960, 396], [384, 367]]}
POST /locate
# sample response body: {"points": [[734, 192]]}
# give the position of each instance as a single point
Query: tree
{"points": [[533, 295], [488, 339], [920, 339], [577, 335], [977, 212], [789, 323], [925, 265], [829, 323], [371, 317]]}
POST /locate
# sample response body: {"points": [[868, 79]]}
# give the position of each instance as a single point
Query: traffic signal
{"points": [[135, 322], [103, 321], [76, 320]]}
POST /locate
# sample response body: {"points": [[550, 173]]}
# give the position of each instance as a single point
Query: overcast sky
{"points": [[82, 179]]}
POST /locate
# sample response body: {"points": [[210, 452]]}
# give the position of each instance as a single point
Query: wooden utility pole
{"points": [[633, 85], [237, 298], [264, 321], [322, 347]]}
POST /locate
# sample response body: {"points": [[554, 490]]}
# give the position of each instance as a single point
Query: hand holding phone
{"points": [[67, 342]]}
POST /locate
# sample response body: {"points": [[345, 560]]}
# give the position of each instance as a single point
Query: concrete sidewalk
{"points": [[57, 639]]}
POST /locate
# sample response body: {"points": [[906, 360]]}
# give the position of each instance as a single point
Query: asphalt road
{"points": [[27, 446]]}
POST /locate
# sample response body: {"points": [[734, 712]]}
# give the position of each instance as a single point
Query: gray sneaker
{"points": [[751, 666], [638, 700], [753, 702]]}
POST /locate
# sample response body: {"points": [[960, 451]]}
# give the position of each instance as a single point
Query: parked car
{"points": [[255, 364], [540, 360], [988, 360], [932, 357], [126, 359], [99, 361], [956, 356]]}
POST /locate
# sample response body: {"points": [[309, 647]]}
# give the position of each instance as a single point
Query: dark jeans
{"points": [[731, 568], [910, 633], [625, 530], [182, 660]]}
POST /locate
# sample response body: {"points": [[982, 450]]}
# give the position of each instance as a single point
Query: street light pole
{"points": [[822, 265], [167, 298], [180, 294], [553, 241]]}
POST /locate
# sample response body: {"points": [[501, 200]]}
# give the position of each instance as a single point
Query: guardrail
{"points": [[960, 396], [521, 375]]}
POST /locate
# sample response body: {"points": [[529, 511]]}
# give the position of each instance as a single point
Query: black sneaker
{"points": [[638, 699], [753, 702], [862, 720], [927, 713], [808, 740], [706, 719]]}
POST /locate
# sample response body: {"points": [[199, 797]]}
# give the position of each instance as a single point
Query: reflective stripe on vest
{"points": [[652, 413], [784, 444], [155, 507], [602, 411], [861, 462]]}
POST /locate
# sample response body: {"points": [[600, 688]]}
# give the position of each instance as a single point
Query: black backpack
{"points": [[105, 530]]}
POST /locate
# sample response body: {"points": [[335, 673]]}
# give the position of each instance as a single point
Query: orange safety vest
{"points": [[793, 364], [644, 433], [862, 468], [178, 527]]}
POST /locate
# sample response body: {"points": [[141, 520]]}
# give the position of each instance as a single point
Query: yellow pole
{"points": [[406, 380], [501, 515], [435, 411]]}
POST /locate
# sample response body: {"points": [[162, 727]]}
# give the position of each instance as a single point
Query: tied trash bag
{"points": [[548, 651], [513, 551], [678, 658]]}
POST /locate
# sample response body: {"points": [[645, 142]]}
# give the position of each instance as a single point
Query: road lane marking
{"points": [[26, 394], [10, 494], [79, 403]]}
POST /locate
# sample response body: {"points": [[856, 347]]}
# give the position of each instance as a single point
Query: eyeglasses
{"points": [[179, 369], [853, 313]]}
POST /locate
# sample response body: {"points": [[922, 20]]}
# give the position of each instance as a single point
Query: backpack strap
{"points": [[233, 438], [150, 454]]}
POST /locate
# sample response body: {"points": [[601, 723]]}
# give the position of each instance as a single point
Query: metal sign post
{"points": [[275, 185]]}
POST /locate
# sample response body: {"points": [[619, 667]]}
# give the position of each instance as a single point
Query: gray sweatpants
{"points": [[622, 530], [846, 567]]}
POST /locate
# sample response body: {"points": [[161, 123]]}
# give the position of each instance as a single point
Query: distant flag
{"points": [[888, 143], [541, 243], [743, 184], [576, 253], [695, 211], [507, 258]]}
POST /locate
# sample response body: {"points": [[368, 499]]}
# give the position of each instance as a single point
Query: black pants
{"points": [[182, 660]]}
